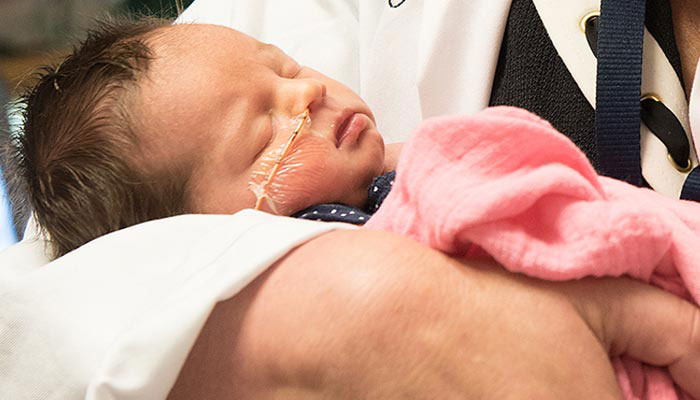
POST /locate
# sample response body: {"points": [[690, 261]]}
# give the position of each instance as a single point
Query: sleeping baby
{"points": [[147, 120]]}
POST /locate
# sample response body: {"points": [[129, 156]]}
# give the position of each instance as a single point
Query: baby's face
{"points": [[224, 105]]}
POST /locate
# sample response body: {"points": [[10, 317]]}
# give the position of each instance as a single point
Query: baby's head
{"points": [[147, 120], [223, 105]]}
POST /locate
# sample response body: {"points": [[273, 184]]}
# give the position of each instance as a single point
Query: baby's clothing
{"points": [[334, 212]]}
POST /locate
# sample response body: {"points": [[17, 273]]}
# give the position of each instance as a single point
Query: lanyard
{"points": [[617, 116], [619, 44]]}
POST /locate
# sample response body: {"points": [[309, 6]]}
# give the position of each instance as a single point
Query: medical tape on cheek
{"points": [[265, 189]]}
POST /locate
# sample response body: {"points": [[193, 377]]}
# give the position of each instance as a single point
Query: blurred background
{"points": [[39, 32]]}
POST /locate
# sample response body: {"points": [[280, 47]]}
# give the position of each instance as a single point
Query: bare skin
{"points": [[391, 156], [393, 319], [371, 325], [227, 117], [686, 27]]}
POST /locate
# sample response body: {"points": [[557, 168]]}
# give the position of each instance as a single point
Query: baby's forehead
{"points": [[181, 39], [191, 83], [196, 49]]}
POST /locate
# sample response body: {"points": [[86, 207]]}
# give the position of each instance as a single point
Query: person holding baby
{"points": [[148, 120]]}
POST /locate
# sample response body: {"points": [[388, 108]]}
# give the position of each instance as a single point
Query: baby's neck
{"points": [[391, 156]]}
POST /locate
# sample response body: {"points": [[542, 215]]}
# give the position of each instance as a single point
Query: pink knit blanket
{"points": [[506, 181]]}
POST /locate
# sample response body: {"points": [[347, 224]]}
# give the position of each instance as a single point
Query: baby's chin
{"points": [[288, 199], [315, 173]]}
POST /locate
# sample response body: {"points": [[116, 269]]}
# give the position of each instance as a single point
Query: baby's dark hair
{"points": [[76, 156]]}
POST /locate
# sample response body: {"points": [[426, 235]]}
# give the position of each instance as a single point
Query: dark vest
{"points": [[530, 74]]}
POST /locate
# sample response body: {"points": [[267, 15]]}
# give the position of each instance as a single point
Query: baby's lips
{"points": [[352, 129], [340, 123]]}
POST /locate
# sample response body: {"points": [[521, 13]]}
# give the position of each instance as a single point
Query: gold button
{"points": [[584, 20], [652, 96], [678, 168]]}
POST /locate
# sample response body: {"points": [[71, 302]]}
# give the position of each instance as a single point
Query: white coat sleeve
{"points": [[116, 318]]}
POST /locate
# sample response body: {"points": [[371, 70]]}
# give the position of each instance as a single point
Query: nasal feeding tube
{"points": [[260, 190]]}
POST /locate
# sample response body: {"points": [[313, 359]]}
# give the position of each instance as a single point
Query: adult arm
{"points": [[364, 314]]}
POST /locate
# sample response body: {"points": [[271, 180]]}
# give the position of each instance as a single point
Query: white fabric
{"points": [[321, 34], [421, 59], [116, 318], [30, 253], [428, 58], [694, 108]]}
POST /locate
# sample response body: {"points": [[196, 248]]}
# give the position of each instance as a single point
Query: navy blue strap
{"points": [[620, 43], [691, 187]]}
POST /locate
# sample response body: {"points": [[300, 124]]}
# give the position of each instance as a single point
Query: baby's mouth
{"points": [[349, 130], [341, 128]]}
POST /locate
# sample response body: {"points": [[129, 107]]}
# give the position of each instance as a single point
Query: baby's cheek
{"points": [[301, 180]]}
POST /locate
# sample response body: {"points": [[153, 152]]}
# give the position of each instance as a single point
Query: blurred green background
{"points": [[39, 32], [33, 32]]}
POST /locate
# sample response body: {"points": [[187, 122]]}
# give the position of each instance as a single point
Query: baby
{"points": [[147, 120], [233, 103]]}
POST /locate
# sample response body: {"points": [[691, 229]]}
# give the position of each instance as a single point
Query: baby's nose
{"points": [[297, 95]]}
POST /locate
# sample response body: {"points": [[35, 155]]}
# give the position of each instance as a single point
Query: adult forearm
{"points": [[392, 319]]}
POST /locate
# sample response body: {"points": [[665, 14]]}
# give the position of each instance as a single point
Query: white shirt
{"points": [[437, 57], [116, 318], [428, 58]]}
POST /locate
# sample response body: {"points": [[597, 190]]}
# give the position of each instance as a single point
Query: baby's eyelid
{"points": [[267, 143], [298, 68], [262, 150]]}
